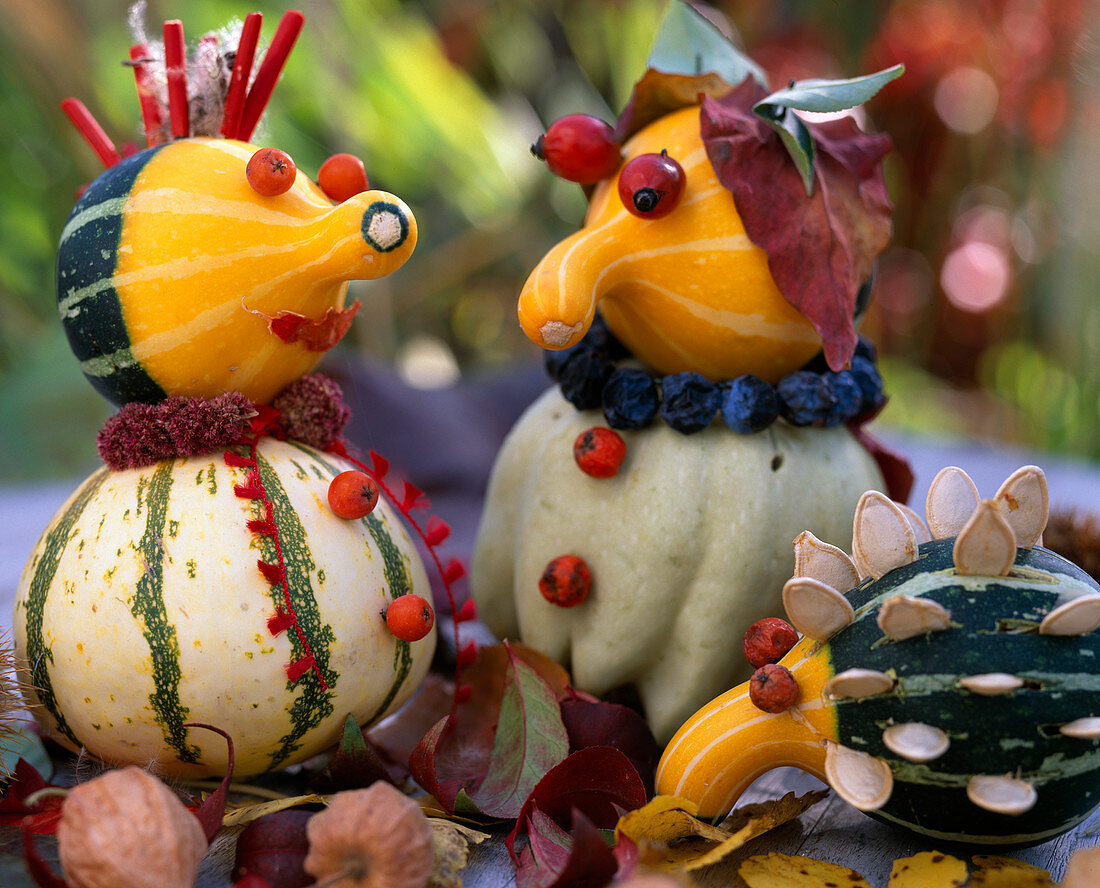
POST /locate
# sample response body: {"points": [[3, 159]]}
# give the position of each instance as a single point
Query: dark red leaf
{"points": [[659, 93], [820, 248], [274, 847], [354, 765], [43, 818], [40, 871], [610, 724], [212, 811], [320, 335], [599, 781], [396, 737], [554, 858]]}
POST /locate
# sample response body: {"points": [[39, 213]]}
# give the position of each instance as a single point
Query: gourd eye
{"points": [[651, 185]]}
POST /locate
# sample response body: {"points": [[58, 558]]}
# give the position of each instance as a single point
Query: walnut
{"points": [[370, 838], [126, 829]]}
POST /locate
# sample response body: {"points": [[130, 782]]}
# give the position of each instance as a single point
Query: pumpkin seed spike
{"points": [[916, 741], [1026, 502], [882, 538], [1087, 728], [1078, 616], [904, 616], [822, 561], [952, 499], [815, 608], [1001, 795], [986, 546], [862, 780], [854, 684], [991, 684], [920, 529]]}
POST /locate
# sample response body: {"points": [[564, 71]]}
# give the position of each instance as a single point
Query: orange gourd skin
{"points": [[686, 292]]}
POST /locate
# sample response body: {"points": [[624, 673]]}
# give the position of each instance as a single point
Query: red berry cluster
{"points": [[772, 688], [566, 581], [599, 451]]}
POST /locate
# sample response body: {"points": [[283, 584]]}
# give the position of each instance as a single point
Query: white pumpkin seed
{"points": [[952, 498], [1001, 795], [857, 683], [815, 608], [1083, 728], [1026, 501], [916, 741], [991, 684], [862, 780], [881, 536], [904, 617], [986, 546], [1076, 617], [920, 529], [824, 562]]}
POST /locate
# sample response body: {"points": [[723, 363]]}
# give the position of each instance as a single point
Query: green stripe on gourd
{"points": [[1013, 733]]}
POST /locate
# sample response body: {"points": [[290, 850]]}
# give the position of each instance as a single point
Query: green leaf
{"points": [[22, 742], [799, 144], [530, 740], [687, 43], [828, 95]]}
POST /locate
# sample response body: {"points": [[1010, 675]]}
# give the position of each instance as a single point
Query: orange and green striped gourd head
{"points": [[171, 269], [685, 292]]}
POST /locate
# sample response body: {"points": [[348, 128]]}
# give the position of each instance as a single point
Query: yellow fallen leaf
{"points": [[929, 869], [1007, 872], [450, 851], [1084, 869], [785, 871], [248, 813]]}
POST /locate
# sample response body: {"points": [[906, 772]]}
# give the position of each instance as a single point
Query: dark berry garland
{"points": [[632, 398]]}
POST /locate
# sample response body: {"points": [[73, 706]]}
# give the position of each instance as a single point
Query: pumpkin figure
{"points": [[667, 308], [951, 690], [204, 575]]}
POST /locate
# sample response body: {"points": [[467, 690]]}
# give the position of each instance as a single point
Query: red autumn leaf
{"points": [[820, 248], [43, 818], [610, 724], [397, 736], [275, 847], [659, 93], [599, 781], [554, 858], [212, 811], [320, 335], [356, 764]]}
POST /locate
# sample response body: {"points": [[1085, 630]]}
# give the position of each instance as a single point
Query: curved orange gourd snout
{"points": [[688, 291]]}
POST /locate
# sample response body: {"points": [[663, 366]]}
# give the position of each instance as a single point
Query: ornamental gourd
{"points": [[951, 691]]}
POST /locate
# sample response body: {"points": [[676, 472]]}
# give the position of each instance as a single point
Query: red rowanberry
{"points": [[270, 172], [773, 688], [342, 176], [599, 451], [566, 581], [768, 640], [651, 185], [580, 148], [352, 494], [410, 617]]}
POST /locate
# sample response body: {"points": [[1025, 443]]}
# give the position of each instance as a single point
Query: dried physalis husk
{"points": [[126, 829], [370, 838]]}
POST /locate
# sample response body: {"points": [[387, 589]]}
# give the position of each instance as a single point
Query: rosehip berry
{"points": [[270, 172], [342, 176], [579, 148], [410, 617], [566, 581], [651, 185], [599, 452], [773, 688], [352, 494], [768, 640]]}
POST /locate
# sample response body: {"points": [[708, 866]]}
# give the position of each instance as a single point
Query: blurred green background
{"points": [[987, 306]]}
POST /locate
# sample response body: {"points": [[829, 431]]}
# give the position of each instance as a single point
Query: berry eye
{"points": [[341, 177], [579, 148], [270, 172], [650, 185]]}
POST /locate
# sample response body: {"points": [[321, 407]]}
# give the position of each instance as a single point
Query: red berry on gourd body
{"points": [[410, 617], [352, 494], [651, 185], [270, 172], [599, 452], [342, 176], [579, 148], [566, 581], [768, 641]]}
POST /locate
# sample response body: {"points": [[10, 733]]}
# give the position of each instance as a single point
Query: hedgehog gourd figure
{"points": [[198, 578], [688, 539], [952, 690]]}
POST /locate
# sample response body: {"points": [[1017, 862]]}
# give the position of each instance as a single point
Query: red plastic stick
{"points": [[242, 70], [152, 118], [268, 74], [175, 66], [92, 132]]}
